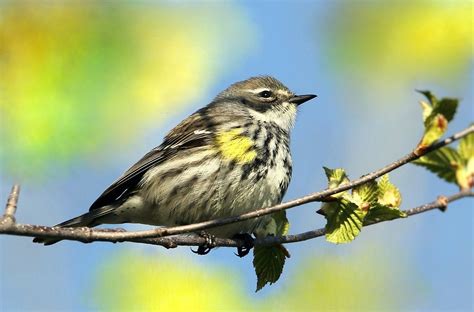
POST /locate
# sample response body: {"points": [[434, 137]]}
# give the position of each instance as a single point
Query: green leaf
{"points": [[469, 175], [275, 224], [430, 96], [383, 213], [388, 201], [344, 221], [436, 116], [427, 109], [336, 177], [465, 174], [435, 127], [446, 107], [366, 194], [369, 202], [388, 194], [268, 262], [282, 223], [443, 162], [466, 147]]}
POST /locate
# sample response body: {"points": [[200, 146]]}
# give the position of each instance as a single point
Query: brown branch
{"points": [[156, 236], [83, 234], [440, 203]]}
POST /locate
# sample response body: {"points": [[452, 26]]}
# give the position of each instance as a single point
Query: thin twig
{"points": [[85, 234], [437, 204], [88, 235], [318, 196], [82, 234]]}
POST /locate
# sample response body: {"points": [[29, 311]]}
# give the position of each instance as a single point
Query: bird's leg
{"points": [[243, 250], [208, 245]]}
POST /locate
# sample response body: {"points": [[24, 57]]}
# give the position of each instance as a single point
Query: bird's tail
{"points": [[88, 219]]}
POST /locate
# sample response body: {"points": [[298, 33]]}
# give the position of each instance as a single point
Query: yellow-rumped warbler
{"points": [[228, 158]]}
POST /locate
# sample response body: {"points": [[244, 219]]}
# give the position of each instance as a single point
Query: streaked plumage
{"points": [[228, 158]]}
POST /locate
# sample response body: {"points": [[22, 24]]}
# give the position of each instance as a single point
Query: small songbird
{"points": [[228, 158]]}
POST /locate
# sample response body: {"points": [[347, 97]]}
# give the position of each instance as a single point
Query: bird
{"points": [[228, 158]]}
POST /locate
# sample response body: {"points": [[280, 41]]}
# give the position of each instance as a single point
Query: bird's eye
{"points": [[266, 94]]}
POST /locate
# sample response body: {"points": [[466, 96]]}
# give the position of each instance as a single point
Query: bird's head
{"points": [[266, 99]]}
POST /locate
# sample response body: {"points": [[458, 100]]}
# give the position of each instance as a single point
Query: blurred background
{"points": [[86, 88]]}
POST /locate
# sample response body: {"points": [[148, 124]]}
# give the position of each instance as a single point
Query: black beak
{"points": [[300, 99]]}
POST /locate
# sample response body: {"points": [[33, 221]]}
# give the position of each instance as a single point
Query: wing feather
{"points": [[191, 133]]}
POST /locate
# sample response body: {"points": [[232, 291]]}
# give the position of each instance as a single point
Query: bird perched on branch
{"points": [[228, 158]]}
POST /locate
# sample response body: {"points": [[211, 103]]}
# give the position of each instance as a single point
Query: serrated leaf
{"points": [[268, 262], [366, 194], [388, 195], [344, 221], [436, 117], [466, 147], [336, 177], [383, 213], [446, 107], [443, 162]]}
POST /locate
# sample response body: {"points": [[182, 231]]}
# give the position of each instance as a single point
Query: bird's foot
{"points": [[208, 245], [244, 250]]}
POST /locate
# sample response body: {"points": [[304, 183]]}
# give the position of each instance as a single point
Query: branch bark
{"points": [[165, 236], [83, 234]]}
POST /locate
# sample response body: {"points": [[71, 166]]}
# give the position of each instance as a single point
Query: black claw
{"points": [[244, 250], [208, 245], [202, 250]]}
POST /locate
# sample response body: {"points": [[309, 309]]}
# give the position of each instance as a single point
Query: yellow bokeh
{"points": [[145, 283], [79, 76], [403, 40], [365, 281]]}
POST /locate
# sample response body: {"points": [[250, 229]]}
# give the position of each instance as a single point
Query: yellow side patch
{"points": [[236, 147]]}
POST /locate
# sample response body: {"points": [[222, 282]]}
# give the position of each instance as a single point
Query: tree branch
{"points": [[156, 236], [441, 203], [83, 234]]}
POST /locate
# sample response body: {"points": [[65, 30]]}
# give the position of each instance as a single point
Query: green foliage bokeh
{"points": [[156, 282]]}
